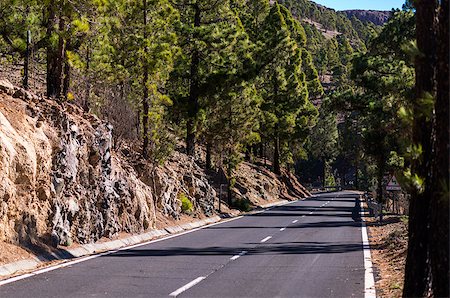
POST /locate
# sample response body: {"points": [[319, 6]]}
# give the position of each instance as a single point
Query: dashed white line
{"points": [[294, 221], [187, 286], [311, 212], [83, 259], [239, 255], [282, 229], [265, 239]]}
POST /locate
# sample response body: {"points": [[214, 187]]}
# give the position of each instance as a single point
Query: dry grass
{"points": [[389, 241]]}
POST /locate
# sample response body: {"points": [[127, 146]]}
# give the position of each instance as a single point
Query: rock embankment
{"points": [[62, 180]]}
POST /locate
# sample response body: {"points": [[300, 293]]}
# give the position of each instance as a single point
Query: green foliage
{"points": [[186, 205], [242, 204], [383, 81]]}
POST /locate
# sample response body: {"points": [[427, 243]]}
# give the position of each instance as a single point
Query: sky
{"points": [[361, 4]]}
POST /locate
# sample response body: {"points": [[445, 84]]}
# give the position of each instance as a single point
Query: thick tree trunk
{"points": [[193, 107], [145, 99], [54, 55], [439, 223], [417, 264], [66, 80]]}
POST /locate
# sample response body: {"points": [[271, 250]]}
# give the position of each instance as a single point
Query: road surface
{"points": [[310, 248]]}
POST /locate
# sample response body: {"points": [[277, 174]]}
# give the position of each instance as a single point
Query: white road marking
{"points": [[282, 229], [294, 221], [187, 286], [369, 280], [87, 258], [239, 255], [311, 212], [265, 239]]}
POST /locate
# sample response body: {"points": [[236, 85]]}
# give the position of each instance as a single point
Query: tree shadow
{"points": [[278, 248]]}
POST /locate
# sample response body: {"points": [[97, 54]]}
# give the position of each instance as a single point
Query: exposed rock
{"points": [[377, 17], [61, 181], [260, 186], [6, 87]]}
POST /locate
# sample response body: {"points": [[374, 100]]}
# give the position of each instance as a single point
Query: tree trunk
{"points": [[276, 155], [380, 176], [324, 172], [26, 64], [229, 174], [439, 223], [87, 93], [66, 80], [193, 107], [417, 265], [208, 156], [54, 55], [145, 99]]}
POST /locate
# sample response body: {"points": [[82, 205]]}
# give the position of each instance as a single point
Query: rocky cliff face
{"points": [[61, 180], [377, 17]]}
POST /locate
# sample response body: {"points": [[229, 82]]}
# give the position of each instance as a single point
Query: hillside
{"points": [[331, 20], [377, 17], [65, 181]]}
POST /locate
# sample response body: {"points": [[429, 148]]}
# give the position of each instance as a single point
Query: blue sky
{"points": [[361, 4]]}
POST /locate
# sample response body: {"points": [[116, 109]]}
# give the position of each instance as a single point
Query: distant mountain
{"points": [[378, 17]]}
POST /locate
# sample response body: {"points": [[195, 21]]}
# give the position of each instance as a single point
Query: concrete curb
{"points": [[95, 248], [282, 202]]}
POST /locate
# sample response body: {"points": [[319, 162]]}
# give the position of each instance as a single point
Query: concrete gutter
{"points": [[35, 262]]}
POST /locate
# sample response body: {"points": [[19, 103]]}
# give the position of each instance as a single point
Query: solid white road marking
{"points": [[369, 281], [294, 221], [265, 239], [83, 259], [282, 229], [187, 286], [239, 255]]}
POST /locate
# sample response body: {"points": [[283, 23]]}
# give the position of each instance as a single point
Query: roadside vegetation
{"points": [[302, 88]]}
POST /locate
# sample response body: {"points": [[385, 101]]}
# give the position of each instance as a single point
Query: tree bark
{"points": [[229, 178], [66, 79], [54, 55], [26, 64], [208, 156], [87, 93], [276, 154], [145, 99], [439, 223], [193, 107], [417, 265]]}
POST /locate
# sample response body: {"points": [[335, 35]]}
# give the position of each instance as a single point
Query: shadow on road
{"points": [[270, 248]]}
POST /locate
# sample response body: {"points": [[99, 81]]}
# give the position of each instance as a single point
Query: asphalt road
{"points": [[310, 248]]}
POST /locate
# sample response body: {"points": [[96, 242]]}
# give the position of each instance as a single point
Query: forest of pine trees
{"points": [[246, 78]]}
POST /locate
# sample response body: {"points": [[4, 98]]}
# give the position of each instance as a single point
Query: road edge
{"points": [[369, 279], [33, 266]]}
